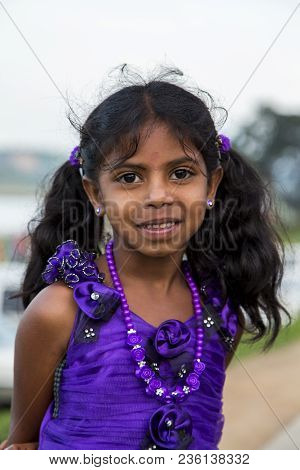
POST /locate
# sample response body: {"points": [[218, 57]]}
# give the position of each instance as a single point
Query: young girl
{"points": [[126, 347]]}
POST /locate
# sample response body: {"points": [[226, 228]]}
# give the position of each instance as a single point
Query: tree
{"points": [[272, 142]]}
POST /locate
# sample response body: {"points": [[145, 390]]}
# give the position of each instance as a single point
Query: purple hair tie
{"points": [[223, 143], [74, 158]]}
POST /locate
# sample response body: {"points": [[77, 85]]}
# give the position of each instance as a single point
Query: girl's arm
{"points": [[41, 341]]}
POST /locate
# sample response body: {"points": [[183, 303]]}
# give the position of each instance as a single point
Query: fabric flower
{"points": [[95, 299], [172, 337], [170, 427], [225, 144], [79, 271], [193, 381], [71, 265]]}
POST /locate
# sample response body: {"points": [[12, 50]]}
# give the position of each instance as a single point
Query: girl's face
{"points": [[154, 185]]}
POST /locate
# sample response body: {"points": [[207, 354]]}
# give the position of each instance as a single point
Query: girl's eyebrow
{"points": [[123, 164]]}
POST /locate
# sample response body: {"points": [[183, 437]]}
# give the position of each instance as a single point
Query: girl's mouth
{"points": [[159, 230]]}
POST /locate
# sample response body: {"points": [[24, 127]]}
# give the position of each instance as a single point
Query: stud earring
{"points": [[98, 211], [210, 203]]}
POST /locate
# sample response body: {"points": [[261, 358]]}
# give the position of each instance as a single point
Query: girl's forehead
{"points": [[158, 147], [155, 160]]}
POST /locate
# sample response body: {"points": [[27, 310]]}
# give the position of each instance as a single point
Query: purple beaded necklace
{"points": [[156, 386]]}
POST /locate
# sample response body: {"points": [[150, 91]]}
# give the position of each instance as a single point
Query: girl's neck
{"points": [[160, 274]]}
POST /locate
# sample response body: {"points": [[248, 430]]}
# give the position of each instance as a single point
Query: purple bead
{"points": [[147, 372], [133, 339], [154, 383], [193, 381], [138, 354], [199, 367]]}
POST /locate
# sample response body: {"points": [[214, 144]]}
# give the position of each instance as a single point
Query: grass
{"points": [[286, 335], [4, 423]]}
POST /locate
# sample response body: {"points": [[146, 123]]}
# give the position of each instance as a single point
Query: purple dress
{"points": [[99, 402]]}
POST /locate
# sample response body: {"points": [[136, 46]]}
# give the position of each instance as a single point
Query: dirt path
{"points": [[256, 390]]}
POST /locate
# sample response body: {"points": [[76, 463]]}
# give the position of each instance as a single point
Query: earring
{"points": [[98, 211], [210, 203]]}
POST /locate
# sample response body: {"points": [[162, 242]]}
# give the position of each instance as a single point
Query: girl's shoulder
{"points": [[51, 313]]}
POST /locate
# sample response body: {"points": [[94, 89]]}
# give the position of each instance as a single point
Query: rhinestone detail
{"points": [[89, 332], [95, 296]]}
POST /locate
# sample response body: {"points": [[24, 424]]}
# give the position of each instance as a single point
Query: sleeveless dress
{"points": [[99, 399]]}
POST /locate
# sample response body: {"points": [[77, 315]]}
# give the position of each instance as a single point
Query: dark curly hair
{"points": [[238, 241]]}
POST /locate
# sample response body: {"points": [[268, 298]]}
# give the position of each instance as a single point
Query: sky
{"points": [[243, 53]]}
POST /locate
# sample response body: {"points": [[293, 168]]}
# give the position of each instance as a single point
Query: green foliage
{"points": [[293, 235], [271, 141], [4, 423], [285, 336]]}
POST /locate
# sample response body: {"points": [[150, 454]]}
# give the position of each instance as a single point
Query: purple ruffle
{"points": [[79, 271], [71, 265]]}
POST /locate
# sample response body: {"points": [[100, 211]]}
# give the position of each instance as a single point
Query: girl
{"points": [[126, 346]]}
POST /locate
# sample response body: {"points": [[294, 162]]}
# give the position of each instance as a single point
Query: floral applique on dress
{"points": [[79, 271]]}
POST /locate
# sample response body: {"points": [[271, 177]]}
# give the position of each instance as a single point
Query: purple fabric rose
{"points": [[138, 354], [145, 372], [134, 339], [170, 427], [193, 381], [172, 338]]}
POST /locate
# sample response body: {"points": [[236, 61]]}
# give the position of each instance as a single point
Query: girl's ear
{"points": [[92, 191], [215, 179]]}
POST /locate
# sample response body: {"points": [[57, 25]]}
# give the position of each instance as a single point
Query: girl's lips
{"points": [[159, 232]]}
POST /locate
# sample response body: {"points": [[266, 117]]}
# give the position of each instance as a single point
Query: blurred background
{"points": [[242, 53]]}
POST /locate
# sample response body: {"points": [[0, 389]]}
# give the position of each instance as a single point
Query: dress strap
{"points": [[79, 271], [218, 316]]}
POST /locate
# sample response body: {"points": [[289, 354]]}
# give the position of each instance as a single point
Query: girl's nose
{"points": [[158, 193]]}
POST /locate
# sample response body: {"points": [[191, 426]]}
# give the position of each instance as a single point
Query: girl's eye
{"points": [[184, 170], [126, 175], [130, 175]]}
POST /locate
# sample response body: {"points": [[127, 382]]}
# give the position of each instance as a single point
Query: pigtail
{"points": [[65, 213], [239, 241]]}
